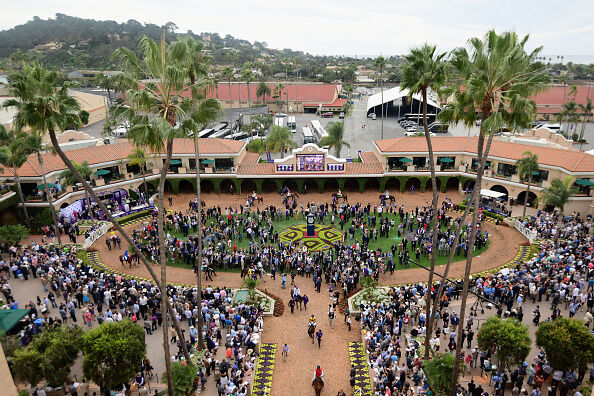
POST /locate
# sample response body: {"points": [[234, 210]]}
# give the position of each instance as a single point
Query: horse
{"points": [[299, 301], [344, 197], [133, 259], [391, 198], [311, 331], [251, 199], [318, 385]]}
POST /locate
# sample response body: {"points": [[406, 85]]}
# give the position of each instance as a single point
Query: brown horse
{"points": [[252, 200], [344, 198], [311, 330], [390, 198], [132, 260], [318, 385]]}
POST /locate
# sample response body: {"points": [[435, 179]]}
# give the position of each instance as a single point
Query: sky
{"points": [[345, 27]]}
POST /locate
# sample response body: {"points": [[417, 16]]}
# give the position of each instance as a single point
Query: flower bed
{"points": [[279, 306], [342, 306], [265, 302], [377, 294]]}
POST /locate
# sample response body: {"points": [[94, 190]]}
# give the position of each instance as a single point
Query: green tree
{"points": [[84, 117], [557, 195], [13, 234], [248, 76], [256, 146], [14, 155], [113, 352], [60, 348], [263, 91], [586, 113], [262, 123], [424, 70], [509, 338], [155, 112], [495, 79], [527, 168], [568, 344], [335, 138], [27, 365], [439, 371], [139, 157], [280, 139], [381, 63], [228, 75], [250, 284], [183, 378], [277, 94]]}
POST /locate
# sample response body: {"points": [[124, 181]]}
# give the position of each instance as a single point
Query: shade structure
{"points": [[10, 317], [43, 186], [102, 172], [405, 159], [447, 159], [492, 194], [175, 162], [207, 161], [584, 182]]}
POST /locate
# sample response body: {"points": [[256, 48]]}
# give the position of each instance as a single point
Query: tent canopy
{"points": [[175, 162], [405, 160], [102, 172], [43, 186], [491, 193], [392, 94], [584, 182], [10, 317]]}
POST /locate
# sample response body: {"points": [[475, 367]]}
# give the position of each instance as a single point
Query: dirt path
{"points": [[297, 372]]}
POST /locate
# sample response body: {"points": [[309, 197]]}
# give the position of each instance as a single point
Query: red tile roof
{"points": [[255, 169], [319, 93], [250, 158], [553, 98], [115, 152], [336, 103], [571, 160], [369, 157], [362, 168]]}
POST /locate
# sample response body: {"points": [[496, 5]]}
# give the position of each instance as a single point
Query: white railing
{"points": [[530, 234], [96, 234]]}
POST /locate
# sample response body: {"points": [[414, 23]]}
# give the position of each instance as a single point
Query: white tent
{"points": [[393, 94], [491, 193]]}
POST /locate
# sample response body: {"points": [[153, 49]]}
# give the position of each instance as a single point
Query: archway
{"points": [[393, 185], [501, 189], [291, 184], [206, 186], [452, 184], [310, 186], [248, 186], [351, 185], [269, 186], [226, 186], [429, 186], [412, 182], [64, 205], [372, 185], [330, 186], [168, 188], [469, 185], [150, 187], [186, 187], [522, 196]]}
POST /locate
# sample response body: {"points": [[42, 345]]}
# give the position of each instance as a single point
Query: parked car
{"points": [[341, 115], [328, 114], [371, 115]]}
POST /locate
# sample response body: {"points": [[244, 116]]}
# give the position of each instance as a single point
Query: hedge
{"points": [[485, 212], [133, 216]]}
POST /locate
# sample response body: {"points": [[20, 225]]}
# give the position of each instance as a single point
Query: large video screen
{"points": [[310, 162]]}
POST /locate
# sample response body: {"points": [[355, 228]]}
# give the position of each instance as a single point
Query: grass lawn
{"points": [[384, 243]]}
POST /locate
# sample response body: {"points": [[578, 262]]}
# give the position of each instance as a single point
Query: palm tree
{"points": [[154, 110], [280, 139], [381, 63], [569, 110], [587, 112], [262, 91], [335, 137], [527, 167], [35, 145], [139, 157], [228, 75], [564, 80], [14, 156], [557, 195], [256, 146], [497, 76], [247, 75], [277, 94], [424, 70]]}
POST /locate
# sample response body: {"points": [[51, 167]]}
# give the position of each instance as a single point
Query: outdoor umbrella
{"points": [[43, 186], [405, 160], [447, 159], [207, 161], [584, 182], [102, 172], [38, 322], [175, 162]]}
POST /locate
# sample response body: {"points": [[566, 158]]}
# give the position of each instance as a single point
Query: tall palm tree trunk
{"points": [[526, 197], [20, 192], [48, 195], [230, 108], [199, 257], [144, 182], [124, 234], [163, 259], [482, 157], [382, 80], [249, 110], [435, 227]]}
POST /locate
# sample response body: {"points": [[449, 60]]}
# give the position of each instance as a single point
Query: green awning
{"points": [[10, 317], [49, 185], [405, 159], [102, 172], [447, 159], [175, 162], [584, 182], [534, 173], [207, 161]]}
